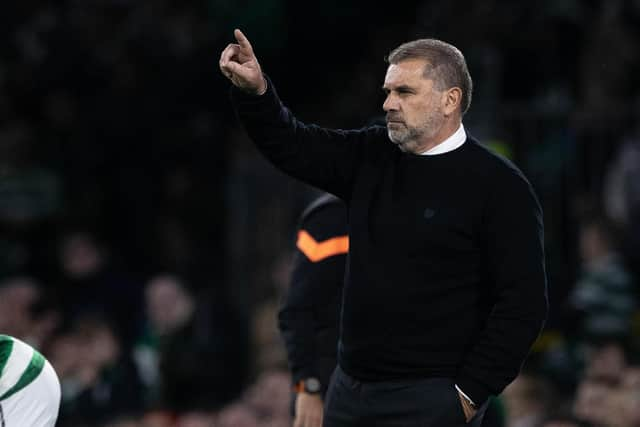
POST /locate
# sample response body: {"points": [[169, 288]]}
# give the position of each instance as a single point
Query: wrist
{"points": [[262, 90], [310, 385]]}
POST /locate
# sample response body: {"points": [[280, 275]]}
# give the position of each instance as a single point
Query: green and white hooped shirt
{"points": [[20, 364]]}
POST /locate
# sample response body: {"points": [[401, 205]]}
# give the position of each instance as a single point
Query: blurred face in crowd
{"points": [[630, 388], [65, 354], [525, 397], [631, 378], [594, 244], [100, 347], [168, 304], [606, 362], [602, 403], [81, 256], [416, 111], [589, 402], [17, 296]]}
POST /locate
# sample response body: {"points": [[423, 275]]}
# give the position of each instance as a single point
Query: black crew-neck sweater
{"points": [[446, 273]]}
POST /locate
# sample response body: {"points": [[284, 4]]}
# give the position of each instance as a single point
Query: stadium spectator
{"points": [[92, 283], [188, 343], [27, 311], [99, 381], [622, 197], [604, 296], [527, 401]]}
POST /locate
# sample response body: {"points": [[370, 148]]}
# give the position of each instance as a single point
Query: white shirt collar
{"points": [[454, 141]]}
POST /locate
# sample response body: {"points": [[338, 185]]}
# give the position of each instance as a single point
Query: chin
{"points": [[394, 137]]}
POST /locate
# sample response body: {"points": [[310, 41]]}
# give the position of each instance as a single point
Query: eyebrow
{"points": [[403, 88]]}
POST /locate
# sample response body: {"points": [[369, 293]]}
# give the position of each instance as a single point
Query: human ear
{"points": [[451, 100]]}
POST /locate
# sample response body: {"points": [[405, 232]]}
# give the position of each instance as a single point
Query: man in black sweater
{"points": [[446, 284], [309, 315]]}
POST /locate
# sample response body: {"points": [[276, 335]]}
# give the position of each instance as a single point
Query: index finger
{"points": [[243, 41]]}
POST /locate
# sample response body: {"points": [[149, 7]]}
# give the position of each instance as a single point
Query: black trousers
{"points": [[428, 402]]}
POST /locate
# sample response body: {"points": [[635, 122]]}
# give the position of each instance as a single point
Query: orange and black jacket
{"points": [[310, 312]]}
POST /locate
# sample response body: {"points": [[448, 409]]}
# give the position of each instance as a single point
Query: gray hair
{"points": [[446, 65]]}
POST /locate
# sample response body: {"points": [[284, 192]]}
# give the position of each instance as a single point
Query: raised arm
{"points": [[325, 158]]}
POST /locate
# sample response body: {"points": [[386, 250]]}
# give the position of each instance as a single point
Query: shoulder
{"points": [[498, 168], [324, 206], [321, 203], [508, 185], [324, 217], [13, 349]]}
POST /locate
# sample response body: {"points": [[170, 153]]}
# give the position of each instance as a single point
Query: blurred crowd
{"points": [[144, 244]]}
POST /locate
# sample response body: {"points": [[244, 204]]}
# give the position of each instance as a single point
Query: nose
{"points": [[390, 103]]}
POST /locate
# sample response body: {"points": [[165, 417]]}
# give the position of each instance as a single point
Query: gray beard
{"points": [[407, 139], [401, 136]]}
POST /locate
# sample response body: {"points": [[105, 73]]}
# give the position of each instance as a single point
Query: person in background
{"points": [[189, 343], [28, 311], [93, 282], [527, 401], [603, 299], [99, 381], [309, 317]]}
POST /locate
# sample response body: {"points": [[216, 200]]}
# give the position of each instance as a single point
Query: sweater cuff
{"points": [[477, 392], [243, 97]]}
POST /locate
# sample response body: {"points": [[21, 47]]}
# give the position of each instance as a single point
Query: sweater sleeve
{"points": [[513, 241], [324, 158]]}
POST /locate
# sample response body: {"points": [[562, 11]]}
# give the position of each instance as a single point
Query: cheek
{"points": [[427, 105], [420, 113], [415, 111]]}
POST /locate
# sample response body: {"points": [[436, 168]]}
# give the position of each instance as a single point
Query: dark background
{"points": [[116, 126]]}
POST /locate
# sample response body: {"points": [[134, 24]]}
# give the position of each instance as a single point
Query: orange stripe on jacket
{"points": [[317, 251]]}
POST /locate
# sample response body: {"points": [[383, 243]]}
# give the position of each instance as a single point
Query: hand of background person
{"points": [[239, 64], [469, 412], [308, 410]]}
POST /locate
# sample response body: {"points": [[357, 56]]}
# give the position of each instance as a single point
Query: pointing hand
{"points": [[240, 65]]}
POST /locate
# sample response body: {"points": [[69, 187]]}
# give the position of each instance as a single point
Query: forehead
{"points": [[407, 72]]}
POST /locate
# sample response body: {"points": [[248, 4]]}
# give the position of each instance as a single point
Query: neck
{"points": [[448, 128]]}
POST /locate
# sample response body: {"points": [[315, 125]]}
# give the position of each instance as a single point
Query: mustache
{"points": [[391, 117]]}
